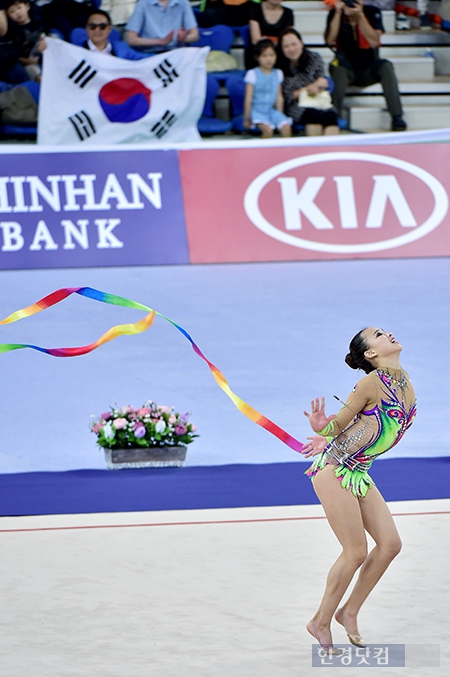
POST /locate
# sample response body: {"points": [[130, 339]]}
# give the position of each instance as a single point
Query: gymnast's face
{"points": [[380, 343]]}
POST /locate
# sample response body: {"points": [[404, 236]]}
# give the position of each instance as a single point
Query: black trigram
{"points": [[162, 126], [83, 124], [82, 74], [166, 72]]}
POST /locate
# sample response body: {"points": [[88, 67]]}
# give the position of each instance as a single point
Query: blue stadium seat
{"points": [[24, 130], [217, 37], [243, 32], [235, 85], [208, 123]]}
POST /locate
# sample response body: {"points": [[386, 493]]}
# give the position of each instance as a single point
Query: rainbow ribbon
{"points": [[130, 329]]}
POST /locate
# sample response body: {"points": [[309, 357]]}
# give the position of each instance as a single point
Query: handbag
{"points": [[321, 101]]}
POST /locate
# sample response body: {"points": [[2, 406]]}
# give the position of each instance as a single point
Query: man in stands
{"points": [[353, 31], [98, 29], [160, 25]]}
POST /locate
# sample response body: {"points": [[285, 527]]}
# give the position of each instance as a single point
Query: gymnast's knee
{"points": [[356, 556], [391, 549]]}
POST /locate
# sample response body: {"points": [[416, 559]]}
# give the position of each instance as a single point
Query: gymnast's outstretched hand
{"points": [[315, 447], [318, 419]]}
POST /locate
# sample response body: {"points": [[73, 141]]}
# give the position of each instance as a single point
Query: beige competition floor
{"points": [[207, 593]]}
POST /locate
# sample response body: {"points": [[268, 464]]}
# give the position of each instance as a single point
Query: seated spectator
{"points": [[304, 72], [263, 103], [267, 20], [225, 12], [354, 33], [161, 25], [98, 29], [65, 15], [19, 34]]}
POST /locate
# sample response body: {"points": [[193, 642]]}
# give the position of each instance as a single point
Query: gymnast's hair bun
{"points": [[350, 360]]}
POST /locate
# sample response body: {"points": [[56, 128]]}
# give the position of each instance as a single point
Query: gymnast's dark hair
{"points": [[355, 357]]}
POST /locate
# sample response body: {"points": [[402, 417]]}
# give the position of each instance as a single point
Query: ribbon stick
{"points": [[130, 329]]}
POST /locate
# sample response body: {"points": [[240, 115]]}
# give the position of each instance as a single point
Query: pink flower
{"points": [[127, 410], [180, 429], [140, 432], [163, 409], [143, 411], [120, 423], [193, 428], [172, 419], [106, 416], [96, 428]]}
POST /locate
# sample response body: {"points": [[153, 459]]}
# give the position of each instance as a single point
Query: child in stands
{"points": [[263, 103], [24, 31]]}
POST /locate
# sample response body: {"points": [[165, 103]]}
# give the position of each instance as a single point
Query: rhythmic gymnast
{"points": [[378, 411]]}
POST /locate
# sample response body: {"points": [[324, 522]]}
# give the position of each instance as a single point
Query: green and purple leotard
{"points": [[379, 410]]}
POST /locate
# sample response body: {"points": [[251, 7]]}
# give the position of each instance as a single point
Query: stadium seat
{"points": [[217, 37], [208, 123], [26, 130], [243, 32], [235, 85]]}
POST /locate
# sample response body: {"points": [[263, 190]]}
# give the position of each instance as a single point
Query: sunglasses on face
{"points": [[102, 26]]}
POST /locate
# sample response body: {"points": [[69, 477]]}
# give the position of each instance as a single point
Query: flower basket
{"points": [[151, 436], [153, 457]]}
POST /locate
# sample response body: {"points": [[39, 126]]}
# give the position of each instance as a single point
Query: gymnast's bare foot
{"points": [[348, 621], [323, 636]]}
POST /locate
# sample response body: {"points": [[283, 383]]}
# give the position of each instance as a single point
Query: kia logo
{"points": [[336, 201]]}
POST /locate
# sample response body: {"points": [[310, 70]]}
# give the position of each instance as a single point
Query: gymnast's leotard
{"points": [[379, 410]]}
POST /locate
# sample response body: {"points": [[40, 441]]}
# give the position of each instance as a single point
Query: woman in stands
{"points": [[267, 20], [378, 411], [304, 71]]}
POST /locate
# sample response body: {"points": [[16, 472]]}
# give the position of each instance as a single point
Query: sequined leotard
{"points": [[379, 410]]}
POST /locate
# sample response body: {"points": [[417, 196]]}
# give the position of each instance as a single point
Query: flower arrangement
{"points": [[151, 425]]}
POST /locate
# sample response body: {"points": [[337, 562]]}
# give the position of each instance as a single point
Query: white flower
{"points": [[160, 426], [108, 431]]}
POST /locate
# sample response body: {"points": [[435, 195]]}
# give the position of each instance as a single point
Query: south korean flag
{"points": [[89, 98]]}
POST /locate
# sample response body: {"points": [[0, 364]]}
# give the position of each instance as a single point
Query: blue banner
{"points": [[79, 209]]}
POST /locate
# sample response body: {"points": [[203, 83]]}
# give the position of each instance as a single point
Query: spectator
{"points": [[354, 32], [263, 104], [225, 12], [304, 72], [161, 25], [267, 20], [98, 29], [20, 32]]}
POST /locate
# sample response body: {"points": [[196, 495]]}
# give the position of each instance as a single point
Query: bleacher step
{"points": [[366, 119], [435, 86], [412, 100], [412, 68]]}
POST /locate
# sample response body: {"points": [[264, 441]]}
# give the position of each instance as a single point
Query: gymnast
{"points": [[378, 411]]}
